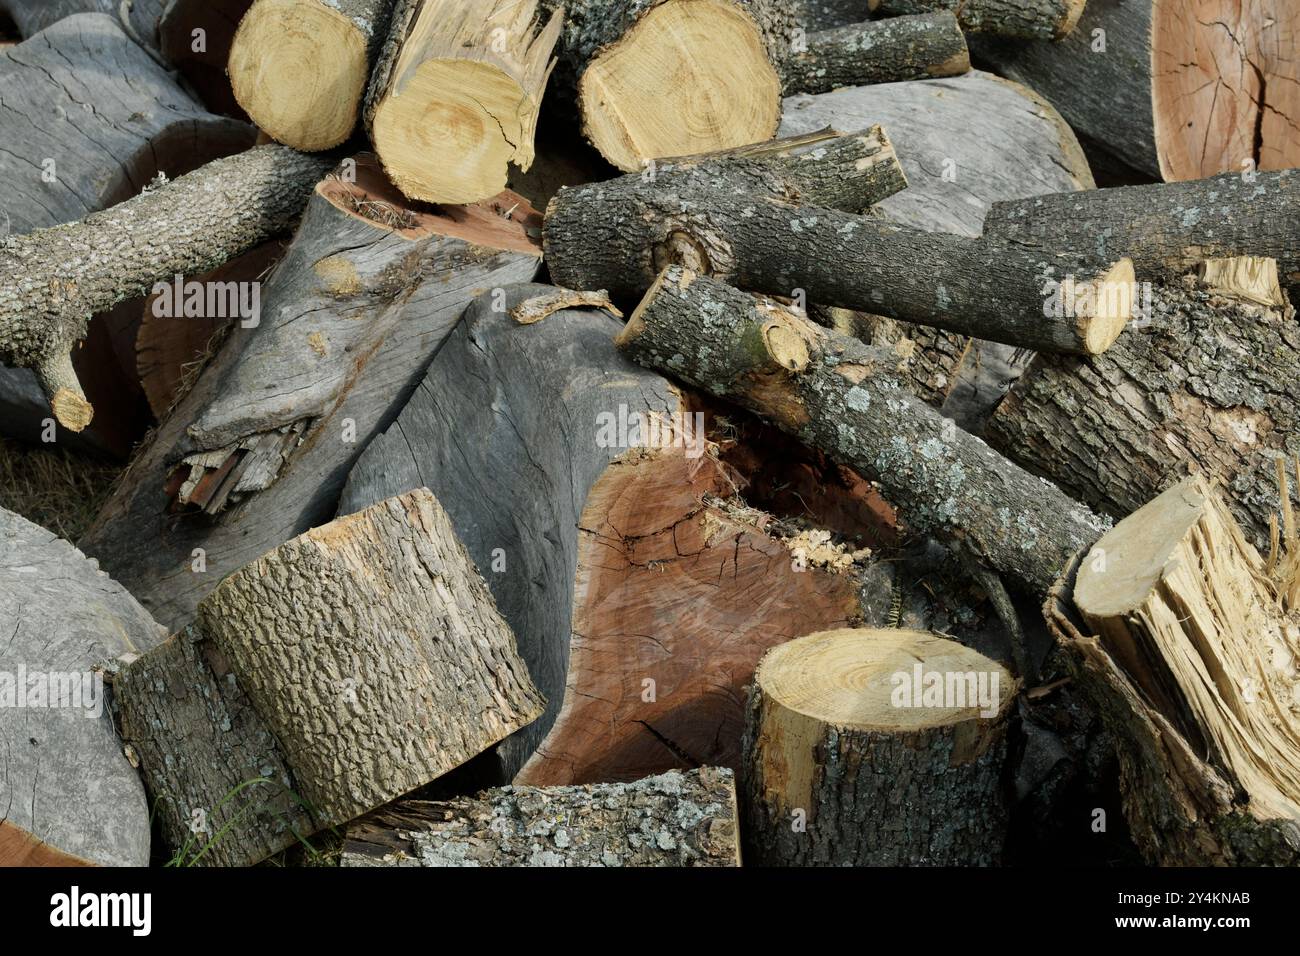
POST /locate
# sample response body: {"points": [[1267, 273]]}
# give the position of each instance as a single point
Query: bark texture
{"points": [[64, 781], [1026, 19], [880, 51], [674, 819], [839, 395], [33, 16]]}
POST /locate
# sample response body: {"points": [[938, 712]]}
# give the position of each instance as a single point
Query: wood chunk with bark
{"points": [[457, 103], [371, 659], [605, 543], [69, 795], [839, 395], [1183, 637], [876, 747], [262, 443], [1051, 20], [673, 819], [299, 68], [1210, 382], [1178, 90]]}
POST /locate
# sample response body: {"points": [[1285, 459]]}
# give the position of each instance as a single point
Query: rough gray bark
{"points": [[836, 394], [674, 819], [1165, 228], [616, 235], [1026, 19], [1210, 383], [350, 320], [825, 14], [881, 51], [373, 660], [63, 779], [61, 276]]}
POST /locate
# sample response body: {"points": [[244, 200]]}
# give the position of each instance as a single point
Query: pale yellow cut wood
{"points": [[1253, 278]]}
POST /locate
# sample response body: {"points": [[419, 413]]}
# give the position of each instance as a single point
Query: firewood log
{"points": [[299, 68], [674, 819], [1177, 90], [33, 16], [601, 544], [824, 14], [729, 220], [456, 99], [1027, 19], [840, 395], [260, 447], [869, 747], [69, 794], [1211, 383], [369, 658], [1181, 634]]}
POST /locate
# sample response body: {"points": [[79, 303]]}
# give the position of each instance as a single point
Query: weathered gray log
{"points": [[300, 67], [59, 277], [600, 543], [882, 51], [1026, 19], [674, 819], [350, 319], [825, 14], [361, 660], [33, 16], [1166, 229], [1170, 88], [615, 235], [1210, 382], [840, 395], [68, 793], [853, 757]]}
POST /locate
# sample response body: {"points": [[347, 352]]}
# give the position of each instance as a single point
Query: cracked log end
{"points": [[690, 77], [299, 69], [1105, 305], [71, 409]]}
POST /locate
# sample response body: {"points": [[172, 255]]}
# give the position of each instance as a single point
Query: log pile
{"points": [[651, 432]]}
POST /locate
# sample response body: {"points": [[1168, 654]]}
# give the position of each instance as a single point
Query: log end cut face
{"points": [[1106, 306], [299, 70], [1225, 86], [689, 77]]}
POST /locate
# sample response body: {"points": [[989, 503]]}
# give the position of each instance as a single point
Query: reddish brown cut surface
{"points": [[20, 848]]}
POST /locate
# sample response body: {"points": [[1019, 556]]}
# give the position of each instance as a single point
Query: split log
{"points": [[839, 395], [68, 793], [1191, 670], [1027, 19], [674, 819], [369, 659], [260, 447], [602, 539], [1179, 91], [59, 277], [458, 100], [299, 68], [1210, 382], [1166, 229], [873, 747], [616, 235]]}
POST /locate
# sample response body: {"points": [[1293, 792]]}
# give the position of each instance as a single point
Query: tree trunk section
{"points": [[674, 819], [881, 51], [1049, 20], [68, 792], [33, 16], [841, 768], [1180, 91]]}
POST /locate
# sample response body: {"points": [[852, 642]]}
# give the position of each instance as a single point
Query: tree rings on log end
{"points": [[1105, 306]]}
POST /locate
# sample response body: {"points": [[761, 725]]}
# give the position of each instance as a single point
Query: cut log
{"points": [[1211, 382], [68, 793], [1166, 229], [1050, 20], [260, 447], [616, 235], [33, 16], [882, 51], [299, 68], [59, 277], [373, 660], [605, 543], [839, 395], [1191, 669], [674, 819], [873, 747], [458, 102], [824, 14], [1177, 90]]}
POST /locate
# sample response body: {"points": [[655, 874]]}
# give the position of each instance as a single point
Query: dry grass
{"points": [[52, 487]]}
